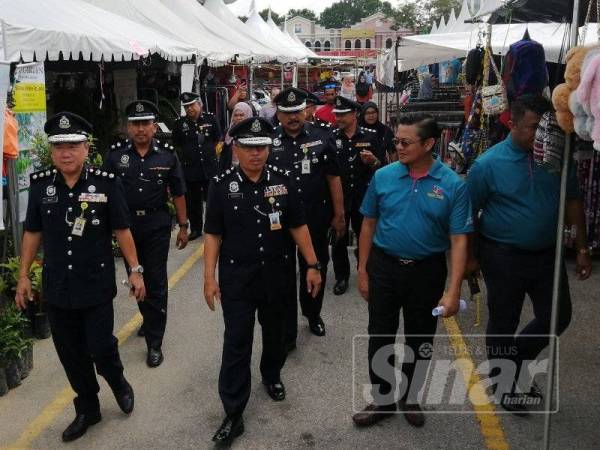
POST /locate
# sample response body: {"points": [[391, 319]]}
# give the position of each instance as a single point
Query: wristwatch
{"points": [[183, 225], [317, 266], [137, 269], [584, 251]]}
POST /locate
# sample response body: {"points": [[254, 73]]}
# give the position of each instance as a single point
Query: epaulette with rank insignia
{"points": [[168, 147], [222, 175], [41, 175], [119, 144], [370, 130], [94, 171], [276, 169]]}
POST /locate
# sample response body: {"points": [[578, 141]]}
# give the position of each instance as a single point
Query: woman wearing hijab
{"points": [[369, 118], [364, 90], [241, 111]]}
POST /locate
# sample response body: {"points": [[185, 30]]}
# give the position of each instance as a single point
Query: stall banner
{"points": [[30, 111], [4, 83]]}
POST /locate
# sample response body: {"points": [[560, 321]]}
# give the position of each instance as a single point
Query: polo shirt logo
{"points": [[437, 193]]}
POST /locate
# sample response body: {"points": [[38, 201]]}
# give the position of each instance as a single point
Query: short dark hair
{"points": [[530, 102], [427, 127]]}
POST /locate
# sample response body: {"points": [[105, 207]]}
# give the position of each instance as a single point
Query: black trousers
{"points": [[311, 307], [194, 201], [509, 275], [152, 246], [239, 315], [415, 290], [83, 338], [339, 249]]}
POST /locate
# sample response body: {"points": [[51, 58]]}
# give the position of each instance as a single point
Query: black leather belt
{"points": [[406, 261]]}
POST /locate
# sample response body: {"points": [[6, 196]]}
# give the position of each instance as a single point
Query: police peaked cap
{"points": [[67, 127]]}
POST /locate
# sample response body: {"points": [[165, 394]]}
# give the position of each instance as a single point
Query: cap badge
{"points": [[256, 128], [338, 102], [64, 123], [139, 108], [291, 97]]}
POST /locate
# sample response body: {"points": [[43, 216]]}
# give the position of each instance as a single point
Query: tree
{"points": [[276, 17], [344, 13], [304, 12], [439, 8]]}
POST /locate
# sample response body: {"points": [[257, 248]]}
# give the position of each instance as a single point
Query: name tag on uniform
{"points": [[275, 222], [93, 198], [305, 166], [78, 227], [362, 144], [47, 200]]}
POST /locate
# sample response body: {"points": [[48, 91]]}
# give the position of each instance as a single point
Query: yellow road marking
{"points": [[65, 397], [485, 412]]}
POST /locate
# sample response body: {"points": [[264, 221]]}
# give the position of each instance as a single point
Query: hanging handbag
{"points": [[494, 100]]}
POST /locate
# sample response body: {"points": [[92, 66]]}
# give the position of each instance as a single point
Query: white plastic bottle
{"points": [[439, 310]]}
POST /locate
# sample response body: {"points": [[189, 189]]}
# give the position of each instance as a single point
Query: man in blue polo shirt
{"points": [[414, 211], [519, 202]]}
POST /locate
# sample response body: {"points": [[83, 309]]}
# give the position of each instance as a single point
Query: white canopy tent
{"points": [[196, 15], [155, 15], [442, 26], [463, 19], [284, 37], [218, 9], [36, 30], [260, 27]]}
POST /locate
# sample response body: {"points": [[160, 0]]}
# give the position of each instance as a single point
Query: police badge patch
{"points": [[234, 187], [276, 142], [51, 191], [338, 142], [125, 159]]}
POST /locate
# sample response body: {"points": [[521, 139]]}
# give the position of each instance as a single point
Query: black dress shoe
{"points": [[275, 390], [155, 357], [194, 235], [317, 327], [141, 332], [79, 426], [412, 413], [231, 428], [340, 287], [124, 396]]}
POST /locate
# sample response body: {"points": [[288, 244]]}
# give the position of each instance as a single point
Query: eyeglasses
{"points": [[404, 142]]}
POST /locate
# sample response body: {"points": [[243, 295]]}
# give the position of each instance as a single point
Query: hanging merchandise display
{"points": [[525, 70], [493, 97], [549, 143]]}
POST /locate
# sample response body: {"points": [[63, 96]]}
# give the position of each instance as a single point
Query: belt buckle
{"points": [[406, 262], [140, 212]]}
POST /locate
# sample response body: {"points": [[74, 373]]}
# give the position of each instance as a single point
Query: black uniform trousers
{"points": [[311, 307], [194, 201], [339, 248], [152, 246], [509, 275], [239, 316], [415, 289], [84, 338]]}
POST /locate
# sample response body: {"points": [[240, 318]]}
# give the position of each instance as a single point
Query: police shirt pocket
{"points": [[51, 215]]}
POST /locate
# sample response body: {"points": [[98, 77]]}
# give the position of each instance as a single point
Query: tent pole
{"points": [[558, 256], [13, 205], [4, 49], [251, 81], [282, 85]]}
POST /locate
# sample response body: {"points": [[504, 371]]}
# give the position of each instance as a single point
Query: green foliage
{"points": [[344, 13], [304, 12], [13, 342], [11, 274], [40, 152], [276, 17]]}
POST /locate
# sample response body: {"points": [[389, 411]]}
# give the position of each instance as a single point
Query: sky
{"points": [[241, 7]]}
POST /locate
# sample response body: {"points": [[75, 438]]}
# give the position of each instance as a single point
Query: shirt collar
{"points": [[265, 175], [304, 132], [435, 171], [58, 176], [154, 147], [514, 150]]}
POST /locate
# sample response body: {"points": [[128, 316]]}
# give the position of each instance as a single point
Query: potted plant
{"points": [[13, 345]]}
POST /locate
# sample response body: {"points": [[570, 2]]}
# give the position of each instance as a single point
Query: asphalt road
{"points": [[177, 404]]}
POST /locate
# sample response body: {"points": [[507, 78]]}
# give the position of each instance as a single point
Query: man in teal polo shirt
{"points": [[519, 202], [414, 211]]}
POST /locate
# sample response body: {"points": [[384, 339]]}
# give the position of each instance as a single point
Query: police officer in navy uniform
{"points": [[308, 152], [312, 101], [150, 171], [359, 153], [195, 136], [253, 211], [73, 210]]}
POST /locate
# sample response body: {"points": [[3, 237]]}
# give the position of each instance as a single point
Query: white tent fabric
{"points": [[260, 27], [40, 29], [155, 15], [413, 56], [489, 6], [442, 26], [218, 8], [286, 38], [451, 22], [196, 15], [550, 35], [434, 28], [463, 17]]}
